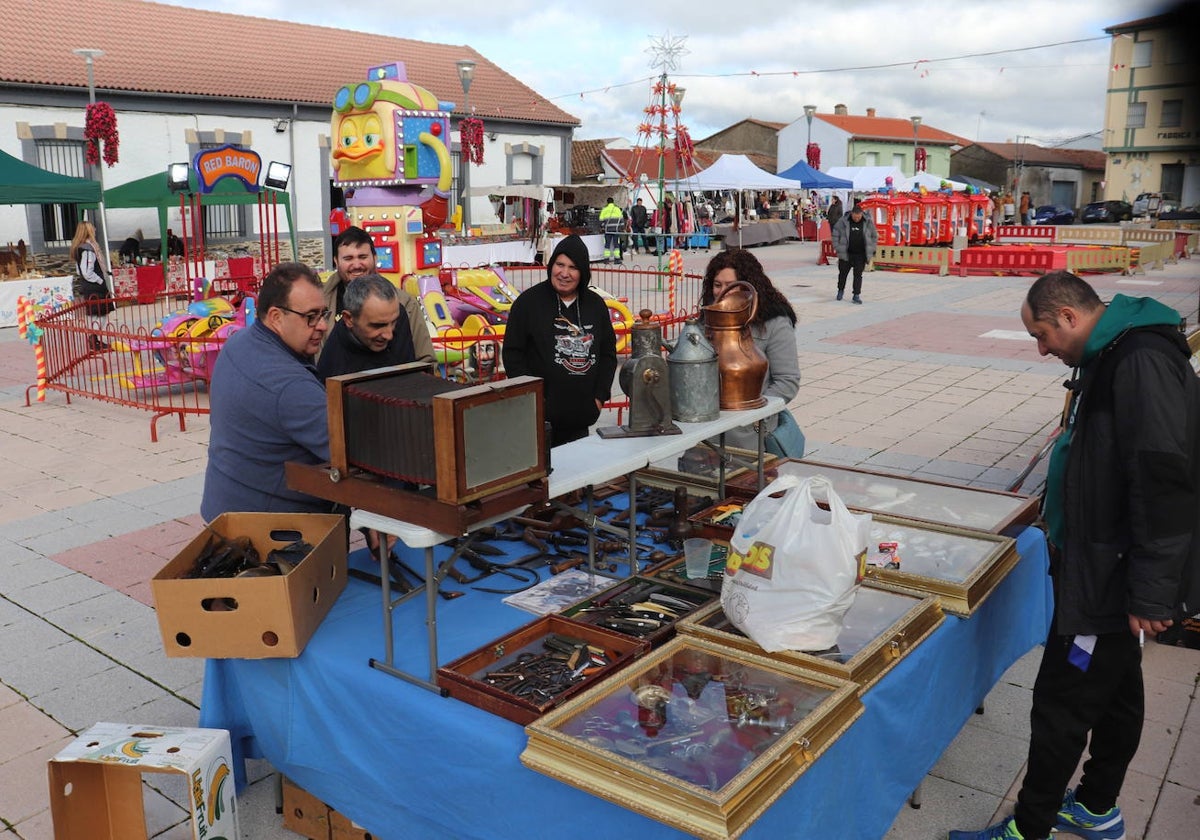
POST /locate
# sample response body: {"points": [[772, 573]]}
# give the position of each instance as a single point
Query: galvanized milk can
{"points": [[695, 381]]}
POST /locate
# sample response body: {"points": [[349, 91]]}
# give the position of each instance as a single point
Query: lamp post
{"points": [[809, 110], [466, 72], [90, 56], [916, 121]]}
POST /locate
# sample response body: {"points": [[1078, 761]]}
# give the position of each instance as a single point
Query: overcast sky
{"points": [[766, 60]]}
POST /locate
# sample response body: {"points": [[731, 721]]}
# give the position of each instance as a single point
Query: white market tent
{"points": [[930, 182], [735, 172], [868, 178]]}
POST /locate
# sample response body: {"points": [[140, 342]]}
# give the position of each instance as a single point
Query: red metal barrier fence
{"points": [[119, 359]]}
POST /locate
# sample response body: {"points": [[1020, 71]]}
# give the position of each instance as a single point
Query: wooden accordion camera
{"points": [[465, 442]]}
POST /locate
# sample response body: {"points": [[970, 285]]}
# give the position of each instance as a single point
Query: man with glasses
{"points": [[354, 256], [267, 402]]}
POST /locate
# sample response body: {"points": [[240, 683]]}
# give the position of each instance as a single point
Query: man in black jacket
{"points": [[370, 332], [1120, 511], [561, 331], [637, 221]]}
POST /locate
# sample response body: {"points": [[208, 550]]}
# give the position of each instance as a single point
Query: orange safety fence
{"points": [[125, 358]]}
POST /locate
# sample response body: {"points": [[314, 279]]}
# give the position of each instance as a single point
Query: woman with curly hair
{"points": [[774, 332]]}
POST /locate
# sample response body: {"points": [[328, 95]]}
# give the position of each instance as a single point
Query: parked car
{"points": [[1107, 211], [1152, 203], [1054, 214]]}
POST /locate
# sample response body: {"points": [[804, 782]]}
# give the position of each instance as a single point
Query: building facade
{"points": [[846, 139], [183, 80], [1067, 177], [1152, 108]]}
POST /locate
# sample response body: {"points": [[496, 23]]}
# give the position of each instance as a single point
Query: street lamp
{"points": [[809, 110], [90, 56], [916, 121], [466, 72]]}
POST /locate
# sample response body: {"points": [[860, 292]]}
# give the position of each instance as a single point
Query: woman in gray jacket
{"points": [[774, 332]]}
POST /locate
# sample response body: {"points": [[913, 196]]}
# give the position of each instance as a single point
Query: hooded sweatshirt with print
{"points": [[572, 347]]}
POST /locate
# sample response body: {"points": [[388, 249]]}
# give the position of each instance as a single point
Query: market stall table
{"points": [[43, 291], [489, 253], [403, 762], [577, 465]]}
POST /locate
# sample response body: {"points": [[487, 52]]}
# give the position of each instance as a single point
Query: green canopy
{"points": [[24, 183], [153, 191]]}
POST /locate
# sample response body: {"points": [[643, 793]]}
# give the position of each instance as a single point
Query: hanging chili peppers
{"points": [[813, 153], [470, 133], [101, 125]]}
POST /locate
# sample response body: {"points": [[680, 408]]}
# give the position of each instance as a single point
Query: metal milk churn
{"points": [[742, 366], [695, 382]]}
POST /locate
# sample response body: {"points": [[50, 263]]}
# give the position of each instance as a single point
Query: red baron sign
{"points": [[211, 165]]}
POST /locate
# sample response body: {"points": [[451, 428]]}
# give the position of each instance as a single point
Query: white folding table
{"points": [[579, 465]]}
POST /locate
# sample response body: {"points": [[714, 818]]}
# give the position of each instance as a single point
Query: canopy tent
{"points": [[814, 179], [932, 183], [868, 178], [24, 183], [735, 172], [153, 191]]}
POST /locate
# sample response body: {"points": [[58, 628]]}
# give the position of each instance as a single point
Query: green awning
{"points": [[24, 183]]}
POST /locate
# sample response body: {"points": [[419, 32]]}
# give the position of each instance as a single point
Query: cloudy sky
{"points": [[983, 70]]}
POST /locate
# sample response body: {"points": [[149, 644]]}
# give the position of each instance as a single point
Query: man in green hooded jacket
{"points": [[1120, 511]]}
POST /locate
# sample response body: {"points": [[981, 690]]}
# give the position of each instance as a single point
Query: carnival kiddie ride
{"points": [[390, 156], [183, 347]]}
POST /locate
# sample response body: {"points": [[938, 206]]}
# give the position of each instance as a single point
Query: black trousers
{"points": [[1107, 701], [858, 262]]}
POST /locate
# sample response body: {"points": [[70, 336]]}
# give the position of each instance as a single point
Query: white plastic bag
{"points": [[793, 568]]}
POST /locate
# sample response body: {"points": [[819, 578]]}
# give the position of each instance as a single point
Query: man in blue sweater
{"points": [[268, 403]]}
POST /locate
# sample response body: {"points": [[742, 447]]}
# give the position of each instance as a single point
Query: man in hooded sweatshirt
{"points": [[561, 331], [1120, 512]]}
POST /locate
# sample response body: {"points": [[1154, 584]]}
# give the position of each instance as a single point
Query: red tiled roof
{"points": [[889, 128], [585, 160], [155, 48], [638, 162], [1037, 156]]}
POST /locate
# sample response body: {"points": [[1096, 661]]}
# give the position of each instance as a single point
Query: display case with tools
{"points": [[878, 630], [537, 667], [943, 504], [695, 735], [641, 607]]}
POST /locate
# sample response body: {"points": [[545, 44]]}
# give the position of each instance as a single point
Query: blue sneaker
{"points": [[1006, 830], [1073, 818]]}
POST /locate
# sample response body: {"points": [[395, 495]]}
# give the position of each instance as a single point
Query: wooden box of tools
{"points": [[697, 736], [466, 442], [942, 504], [877, 631], [537, 667], [641, 607]]}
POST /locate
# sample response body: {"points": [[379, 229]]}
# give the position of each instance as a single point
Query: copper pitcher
{"points": [[740, 364]]}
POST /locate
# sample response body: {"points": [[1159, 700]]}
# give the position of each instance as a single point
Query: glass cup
{"points": [[697, 552]]}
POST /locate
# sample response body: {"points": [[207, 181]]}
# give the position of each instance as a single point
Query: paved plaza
{"points": [[932, 377]]}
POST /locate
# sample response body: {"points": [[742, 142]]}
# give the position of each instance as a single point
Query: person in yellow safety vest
{"points": [[611, 218]]}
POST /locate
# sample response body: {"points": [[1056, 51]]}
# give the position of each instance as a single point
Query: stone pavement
{"points": [[932, 376]]}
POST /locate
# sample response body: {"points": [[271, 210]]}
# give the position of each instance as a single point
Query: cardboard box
{"points": [[304, 814], [253, 618], [96, 781]]}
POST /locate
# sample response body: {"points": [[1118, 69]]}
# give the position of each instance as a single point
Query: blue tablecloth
{"points": [[405, 763]]}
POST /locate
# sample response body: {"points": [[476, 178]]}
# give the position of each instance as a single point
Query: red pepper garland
{"points": [[470, 133], [101, 124]]}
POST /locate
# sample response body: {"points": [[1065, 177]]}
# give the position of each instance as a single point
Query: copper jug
{"points": [[741, 365]]}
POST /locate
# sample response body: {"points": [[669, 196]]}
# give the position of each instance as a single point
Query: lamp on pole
{"points": [[916, 121], [466, 72], [90, 56], [809, 110]]}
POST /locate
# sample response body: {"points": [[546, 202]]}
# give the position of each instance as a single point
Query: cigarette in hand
{"points": [[1141, 638]]}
